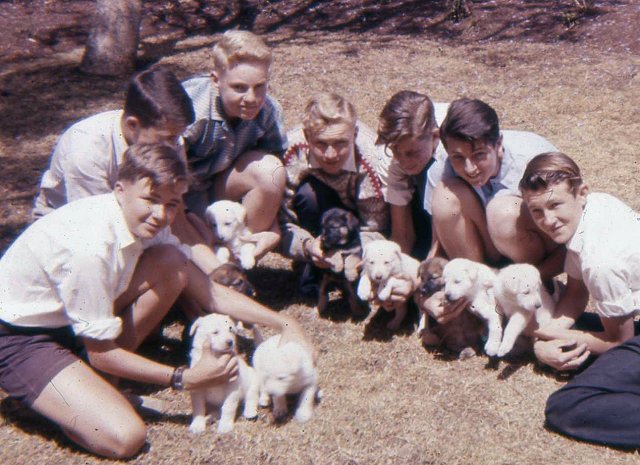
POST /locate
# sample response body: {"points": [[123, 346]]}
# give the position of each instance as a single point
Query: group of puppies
{"points": [[501, 305]]}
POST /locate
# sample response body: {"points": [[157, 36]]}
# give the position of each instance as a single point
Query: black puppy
{"points": [[340, 242]]}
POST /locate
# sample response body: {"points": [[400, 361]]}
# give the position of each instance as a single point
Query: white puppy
{"points": [[219, 332], [288, 369], [384, 268], [228, 220], [521, 295], [473, 280]]}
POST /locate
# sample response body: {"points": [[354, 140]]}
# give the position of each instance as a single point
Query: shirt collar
{"points": [[576, 242], [119, 142], [120, 228]]}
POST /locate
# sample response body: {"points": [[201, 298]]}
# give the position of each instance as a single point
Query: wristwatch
{"points": [[176, 378]]}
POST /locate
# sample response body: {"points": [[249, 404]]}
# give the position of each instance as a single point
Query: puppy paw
{"points": [[264, 400], [250, 413], [503, 350], [491, 348], [198, 425], [247, 262], [467, 352], [303, 415], [225, 427]]}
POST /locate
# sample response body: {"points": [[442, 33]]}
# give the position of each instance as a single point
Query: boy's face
{"points": [[475, 162], [413, 153], [332, 146], [557, 211], [147, 210], [243, 89], [164, 133]]}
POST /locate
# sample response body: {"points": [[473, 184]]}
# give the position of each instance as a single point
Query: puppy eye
{"points": [[215, 331], [457, 281], [527, 292]]}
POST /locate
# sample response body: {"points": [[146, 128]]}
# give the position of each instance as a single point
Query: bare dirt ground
{"points": [[571, 78]]}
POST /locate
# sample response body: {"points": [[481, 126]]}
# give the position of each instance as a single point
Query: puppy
{"points": [[340, 242], [466, 278], [233, 276], [288, 369], [521, 295], [460, 335], [219, 332], [384, 268], [228, 220]]}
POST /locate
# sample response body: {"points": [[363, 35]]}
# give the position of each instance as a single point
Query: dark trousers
{"points": [[602, 404], [311, 200]]}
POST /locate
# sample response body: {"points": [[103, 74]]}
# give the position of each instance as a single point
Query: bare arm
{"points": [[106, 356]]}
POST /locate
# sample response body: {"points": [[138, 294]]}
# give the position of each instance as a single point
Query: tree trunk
{"points": [[112, 45]]}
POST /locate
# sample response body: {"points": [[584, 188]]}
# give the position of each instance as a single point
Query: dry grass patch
{"points": [[386, 399]]}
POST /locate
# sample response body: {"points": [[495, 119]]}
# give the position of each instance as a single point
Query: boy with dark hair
{"points": [[476, 206], [86, 158], [100, 273]]}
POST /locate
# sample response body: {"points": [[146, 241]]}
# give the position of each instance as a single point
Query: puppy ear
{"points": [[194, 326], [352, 221]]}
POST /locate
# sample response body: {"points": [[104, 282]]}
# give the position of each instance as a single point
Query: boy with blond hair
{"points": [[100, 273], [332, 161], [235, 143]]}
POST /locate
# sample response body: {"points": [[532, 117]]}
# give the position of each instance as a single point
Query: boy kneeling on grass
{"points": [[101, 273], [603, 261]]}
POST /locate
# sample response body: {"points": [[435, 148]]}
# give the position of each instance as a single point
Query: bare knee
{"points": [[168, 263], [447, 203], [502, 218], [120, 441], [269, 174]]}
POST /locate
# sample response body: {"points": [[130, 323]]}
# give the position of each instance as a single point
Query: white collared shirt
{"points": [[84, 162], [605, 253], [69, 267]]}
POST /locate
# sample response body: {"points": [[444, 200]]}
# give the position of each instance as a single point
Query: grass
{"points": [[386, 399]]}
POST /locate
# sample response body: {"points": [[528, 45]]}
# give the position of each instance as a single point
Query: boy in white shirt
{"points": [[603, 261], [101, 273]]}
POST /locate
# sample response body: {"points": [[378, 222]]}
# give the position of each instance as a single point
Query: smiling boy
{"points": [[235, 144], [603, 259], [332, 162], [100, 273], [477, 210], [603, 262]]}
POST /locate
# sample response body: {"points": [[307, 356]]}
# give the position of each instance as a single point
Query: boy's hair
{"points": [[470, 120], [548, 169], [406, 114], [240, 46], [325, 109], [155, 97], [162, 164]]}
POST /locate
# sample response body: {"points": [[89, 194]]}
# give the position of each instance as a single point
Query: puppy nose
{"points": [[538, 304], [229, 343]]}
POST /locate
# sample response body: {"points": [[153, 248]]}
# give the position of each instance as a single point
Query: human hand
{"points": [[401, 291], [442, 310], [313, 250], [211, 369], [265, 241], [561, 354]]}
